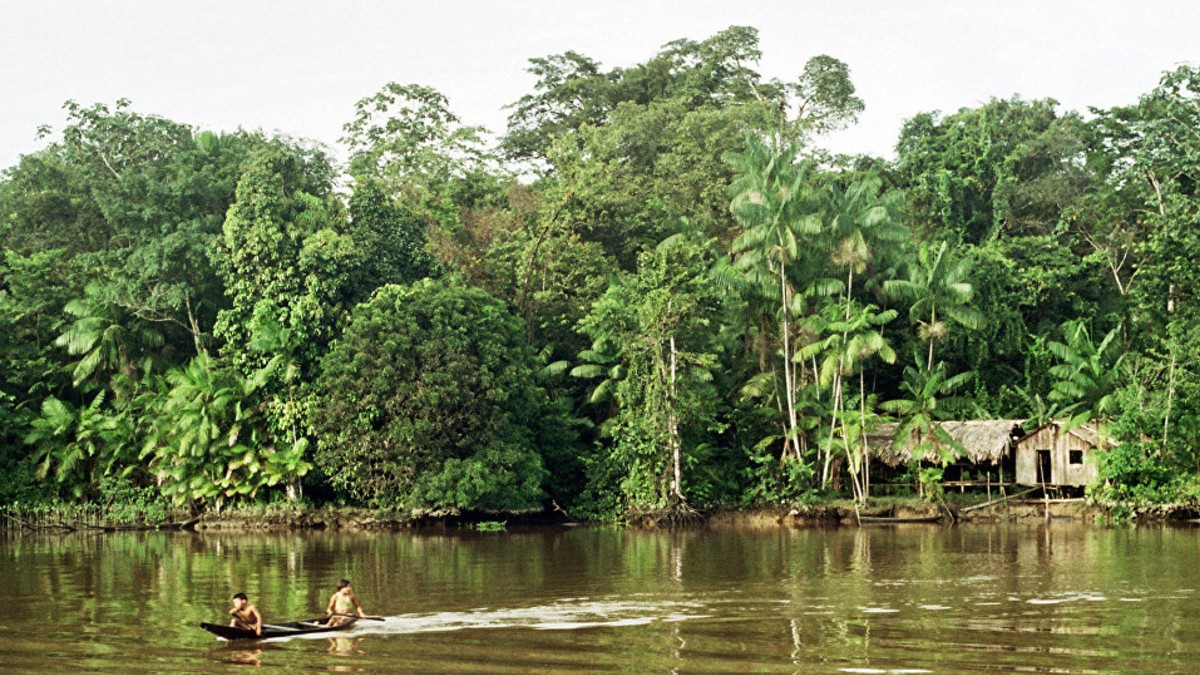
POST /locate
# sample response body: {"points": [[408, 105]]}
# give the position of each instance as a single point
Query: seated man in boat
{"points": [[341, 604], [245, 615]]}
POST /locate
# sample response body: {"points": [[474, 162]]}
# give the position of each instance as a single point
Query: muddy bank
{"points": [[823, 515], [834, 514], [359, 519], [1020, 510]]}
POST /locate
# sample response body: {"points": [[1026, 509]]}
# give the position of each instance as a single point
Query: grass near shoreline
{"points": [[284, 515]]}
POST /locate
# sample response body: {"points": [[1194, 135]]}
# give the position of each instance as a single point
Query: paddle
{"points": [[369, 618]]}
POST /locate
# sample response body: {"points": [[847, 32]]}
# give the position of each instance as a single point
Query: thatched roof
{"points": [[985, 441]]}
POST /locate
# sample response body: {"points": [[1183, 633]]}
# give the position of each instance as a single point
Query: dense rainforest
{"points": [[654, 290]]}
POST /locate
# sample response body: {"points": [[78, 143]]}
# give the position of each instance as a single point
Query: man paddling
{"points": [[341, 603], [245, 615]]}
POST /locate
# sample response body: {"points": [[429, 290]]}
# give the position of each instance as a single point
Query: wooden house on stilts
{"points": [[999, 452], [1054, 454]]}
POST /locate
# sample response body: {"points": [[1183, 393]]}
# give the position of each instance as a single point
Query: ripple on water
{"points": [[1067, 597], [883, 670], [558, 616]]}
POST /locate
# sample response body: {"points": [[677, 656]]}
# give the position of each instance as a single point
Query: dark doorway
{"points": [[1043, 466]]}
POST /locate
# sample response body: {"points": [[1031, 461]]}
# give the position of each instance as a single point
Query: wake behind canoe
{"points": [[278, 630]]}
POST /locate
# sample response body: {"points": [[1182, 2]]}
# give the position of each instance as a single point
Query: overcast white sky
{"points": [[298, 66]]}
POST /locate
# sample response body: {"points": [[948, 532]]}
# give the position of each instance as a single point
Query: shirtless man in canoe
{"points": [[245, 615]]}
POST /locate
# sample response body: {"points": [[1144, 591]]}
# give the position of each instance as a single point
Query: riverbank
{"points": [[886, 510]]}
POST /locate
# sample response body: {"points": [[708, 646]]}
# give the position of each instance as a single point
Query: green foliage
{"points": [[428, 401], [930, 397], [647, 167], [846, 342], [126, 502], [390, 237], [108, 340], [287, 259], [635, 149], [1006, 168], [777, 208], [1088, 375], [212, 312], [1134, 471], [406, 137], [209, 442], [490, 526], [573, 92], [160, 191], [407, 132], [1028, 286], [930, 481], [939, 288], [653, 338], [76, 447], [771, 481]]}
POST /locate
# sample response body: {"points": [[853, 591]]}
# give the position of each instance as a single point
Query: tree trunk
{"points": [[676, 443], [194, 326], [862, 437], [932, 321], [1170, 371], [788, 374]]}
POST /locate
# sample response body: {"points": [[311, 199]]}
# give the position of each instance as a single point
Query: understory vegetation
{"points": [[654, 292]]}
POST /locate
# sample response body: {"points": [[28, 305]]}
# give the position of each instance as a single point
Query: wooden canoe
{"points": [[278, 630]]}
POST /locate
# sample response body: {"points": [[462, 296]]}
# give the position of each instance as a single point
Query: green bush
{"points": [[429, 402], [127, 502]]}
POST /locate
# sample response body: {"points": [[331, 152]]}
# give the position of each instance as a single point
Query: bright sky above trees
{"points": [[298, 66]]}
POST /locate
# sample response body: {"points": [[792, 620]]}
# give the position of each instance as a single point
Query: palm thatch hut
{"points": [[1059, 455], [987, 444]]}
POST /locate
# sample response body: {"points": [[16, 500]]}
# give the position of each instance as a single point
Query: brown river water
{"points": [[1066, 597]]}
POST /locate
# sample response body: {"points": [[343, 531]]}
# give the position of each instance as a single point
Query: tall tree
{"points": [[1008, 168], [429, 401], [407, 138], [1150, 155], [773, 202], [287, 257], [939, 288], [848, 336], [655, 330]]}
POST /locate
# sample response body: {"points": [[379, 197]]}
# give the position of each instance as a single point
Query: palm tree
{"points": [[100, 336], [78, 446], [774, 205], [847, 345], [859, 220], [1089, 375], [929, 398], [209, 442], [939, 289]]}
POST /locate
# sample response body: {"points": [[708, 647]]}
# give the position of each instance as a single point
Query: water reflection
{"points": [[237, 654], [345, 646], [1038, 597]]}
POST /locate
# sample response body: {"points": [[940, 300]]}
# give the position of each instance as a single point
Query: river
{"points": [[1063, 597]]}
